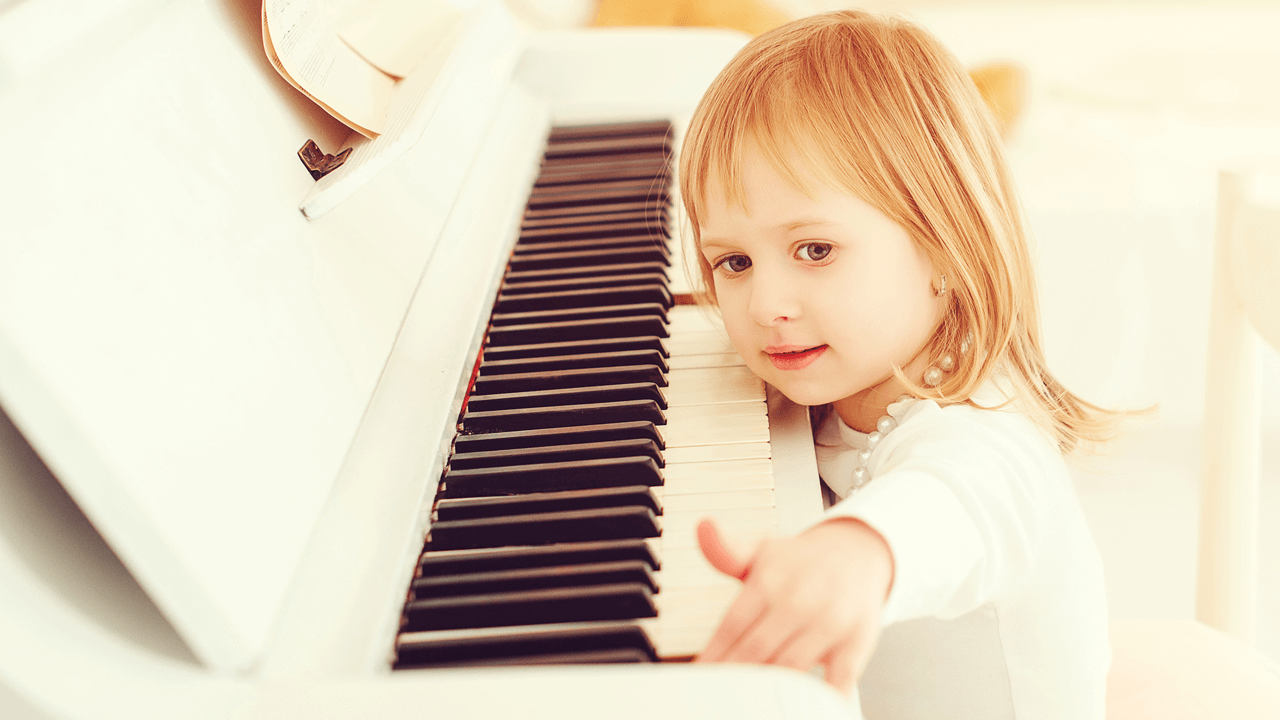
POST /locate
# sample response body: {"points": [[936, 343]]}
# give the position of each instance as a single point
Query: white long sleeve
{"points": [[997, 607]]}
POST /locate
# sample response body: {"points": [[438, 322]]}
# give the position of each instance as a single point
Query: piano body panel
{"points": [[203, 351], [261, 449], [797, 489], [372, 530], [676, 691], [625, 73], [78, 637]]}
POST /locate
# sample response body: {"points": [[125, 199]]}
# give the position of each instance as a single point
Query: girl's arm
{"points": [[806, 600]]}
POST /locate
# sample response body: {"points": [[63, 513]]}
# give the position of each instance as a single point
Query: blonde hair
{"points": [[877, 107]]}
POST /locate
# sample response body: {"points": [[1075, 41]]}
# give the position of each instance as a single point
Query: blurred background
{"points": [[1128, 111]]}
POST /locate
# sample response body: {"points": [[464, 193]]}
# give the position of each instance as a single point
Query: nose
{"points": [[774, 297]]}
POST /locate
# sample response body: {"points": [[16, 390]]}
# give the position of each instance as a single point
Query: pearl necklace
{"points": [[885, 425], [932, 377]]}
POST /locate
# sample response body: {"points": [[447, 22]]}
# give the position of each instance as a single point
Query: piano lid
{"points": [[187, 352]]}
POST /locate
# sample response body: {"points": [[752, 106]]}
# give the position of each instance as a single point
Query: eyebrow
{"points": [[785, 227], [790, 226], [801, 223]]}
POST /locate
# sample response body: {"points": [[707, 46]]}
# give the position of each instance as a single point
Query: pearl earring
{"points": [[942, 286]]}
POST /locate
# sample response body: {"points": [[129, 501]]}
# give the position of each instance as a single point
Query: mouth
{"points": [[794, 358]]}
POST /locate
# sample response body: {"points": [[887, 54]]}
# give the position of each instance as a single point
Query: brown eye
{"points": [[735, 263], [814, 251]]}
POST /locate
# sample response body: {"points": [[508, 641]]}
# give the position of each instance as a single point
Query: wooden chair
{"points": [[1208, 670]]}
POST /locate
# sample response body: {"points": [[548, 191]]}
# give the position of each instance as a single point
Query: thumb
{"points": [[719, 554]]}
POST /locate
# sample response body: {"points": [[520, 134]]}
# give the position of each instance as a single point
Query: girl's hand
{"points": [[806, 600]]}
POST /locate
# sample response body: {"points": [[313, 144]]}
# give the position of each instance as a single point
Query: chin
{"points": [[805, 393]]}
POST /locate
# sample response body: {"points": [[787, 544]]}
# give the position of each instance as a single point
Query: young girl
{"points": [[857, 226]]}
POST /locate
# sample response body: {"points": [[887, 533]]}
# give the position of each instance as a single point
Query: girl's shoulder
{"points": [[991, 431]]}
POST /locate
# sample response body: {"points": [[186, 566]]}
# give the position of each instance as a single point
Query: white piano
{"points": [[228, 390]]}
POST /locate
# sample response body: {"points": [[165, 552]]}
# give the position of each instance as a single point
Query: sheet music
{"points": [[302, 44], [396, 35]]}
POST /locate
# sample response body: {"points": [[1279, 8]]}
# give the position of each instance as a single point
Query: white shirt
{"points": [[997, 608]]}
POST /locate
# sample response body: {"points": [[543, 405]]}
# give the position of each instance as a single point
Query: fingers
{"points": [[842, 664], [848, 660], [743, 614], [762, 641], [805, 649], [719, 554], [811, 599]]}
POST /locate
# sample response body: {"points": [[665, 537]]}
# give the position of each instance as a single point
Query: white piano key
{"points": [[707, 386], [681, 522], [703, 414], [685, 319], [699, 343], [695, 605], [705, 360], [727, 500], [715, 453], [689, 617], [696, 572], [683, 535], [681, 432], [681, 477], [709, 483]]}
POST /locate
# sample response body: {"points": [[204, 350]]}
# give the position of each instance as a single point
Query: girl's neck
{"points": [[862, 411]]}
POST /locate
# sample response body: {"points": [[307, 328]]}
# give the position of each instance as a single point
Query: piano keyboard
{"points": [[603, 422]]}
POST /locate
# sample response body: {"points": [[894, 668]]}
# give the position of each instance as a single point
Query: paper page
{"points": [[395, 35], [304, 47]]}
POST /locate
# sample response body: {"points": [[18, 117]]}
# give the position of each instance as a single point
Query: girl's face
{"points": [[821, 296]]}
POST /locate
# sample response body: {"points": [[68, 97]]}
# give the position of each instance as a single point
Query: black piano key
{"points": [[586, 297], [561, 175], [601, 309], [621, 601], [610, 523], [626, 571], [653, 163], [550, 282], [565, 133], [584, 147], [512, 658], [654, 214], [579, 433], [642, 187], [550, 477], [457, 562], [525, 383], [604, 197], [577, 643], [469, 508], [613, 245], [595, 156], [652, 211], [609, 256], [650, 272], [568, 396], [557, 453], [593, 328], [568, 362], [577, 347], [562, 416], [644, 223], [540, 437]]}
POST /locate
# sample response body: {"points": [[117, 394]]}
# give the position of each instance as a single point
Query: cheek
{"points": [[734, 301]]}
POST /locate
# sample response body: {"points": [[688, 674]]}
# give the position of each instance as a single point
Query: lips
{"points": [[794, 358]]}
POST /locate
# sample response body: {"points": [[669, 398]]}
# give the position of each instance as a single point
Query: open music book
{"points": [[347, 55]]}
